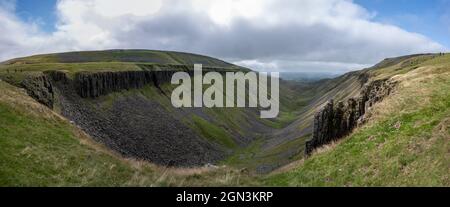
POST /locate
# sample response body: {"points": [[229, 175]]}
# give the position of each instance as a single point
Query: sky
{"points": [[332, 36]]}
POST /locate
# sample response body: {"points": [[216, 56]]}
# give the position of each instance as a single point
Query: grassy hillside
{"points": [[405, 143], [41, 148]]}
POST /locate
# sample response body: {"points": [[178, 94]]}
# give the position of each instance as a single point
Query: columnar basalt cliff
{"points": [[133, 125], [97, 84], [92, 85], [59, 76], [336, 121], [40, 88]]}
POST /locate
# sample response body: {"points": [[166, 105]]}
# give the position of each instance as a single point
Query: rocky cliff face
{"points": [[58, 76], [97, 84], [92, 85], [337, 120], [133, 125], [40, 88]]}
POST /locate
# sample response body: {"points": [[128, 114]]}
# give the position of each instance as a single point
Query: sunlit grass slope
{"points": [[405, 143]]}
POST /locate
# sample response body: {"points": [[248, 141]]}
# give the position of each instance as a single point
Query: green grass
{"points": [[46, 153], [410, 64], [298, 143], [69, 67], [213, 132], [254, 155], [284, 118], [233, 118], [243, 157], [38, 148], [124, 56]]}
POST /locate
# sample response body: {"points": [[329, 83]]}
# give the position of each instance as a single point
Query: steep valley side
{"points": [[130, 112]]}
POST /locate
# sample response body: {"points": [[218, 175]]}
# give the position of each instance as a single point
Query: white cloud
{"points": [[17, 37], [278, 35], [309, 66], [114, 8]]}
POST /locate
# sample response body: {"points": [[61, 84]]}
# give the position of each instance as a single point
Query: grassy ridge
{"points": [[109, 60], [125, 56]]}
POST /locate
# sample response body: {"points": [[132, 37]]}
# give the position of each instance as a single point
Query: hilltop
{"points": [[109, 60], [124, 56]]}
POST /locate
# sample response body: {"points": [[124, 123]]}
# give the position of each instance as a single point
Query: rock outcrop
{"points": [[95, 84], [59, 76], [135, 126], [91, 85], [40, 88], [336, 120]]}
